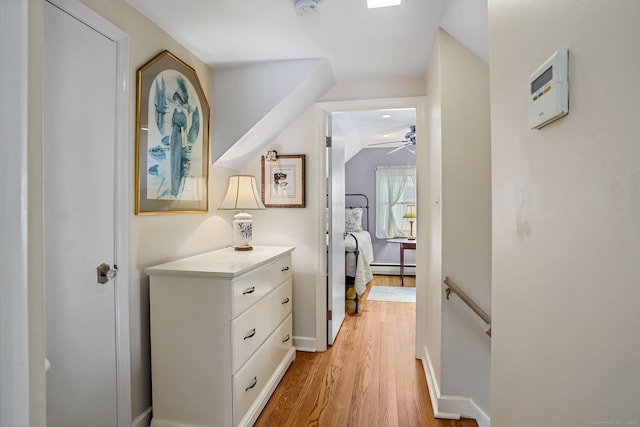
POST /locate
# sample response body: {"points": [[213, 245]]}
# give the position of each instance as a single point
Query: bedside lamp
{"points": [[410, 213], [242, 195]]}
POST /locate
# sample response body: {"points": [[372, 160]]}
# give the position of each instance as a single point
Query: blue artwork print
{"points": [[175, 139]]}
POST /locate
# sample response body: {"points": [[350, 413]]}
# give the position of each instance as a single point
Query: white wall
{"points": [[372, 89], [458, 206], [299, 227], [429, 321], [466, 219], [566, 218]]}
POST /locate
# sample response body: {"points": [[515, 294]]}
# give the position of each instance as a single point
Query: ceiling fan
{"points": [[408, 141]]}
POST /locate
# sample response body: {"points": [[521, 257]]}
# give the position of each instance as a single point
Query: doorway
{"points": [[325, 110], [85, 170]]}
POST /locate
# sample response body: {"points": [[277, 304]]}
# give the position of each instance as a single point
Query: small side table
{"points": [[405, 244]]}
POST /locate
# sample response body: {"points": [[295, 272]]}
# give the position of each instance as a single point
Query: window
{"points": [[395, 189]]}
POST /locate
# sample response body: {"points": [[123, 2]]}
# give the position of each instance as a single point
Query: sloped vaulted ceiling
{"points": [[260, 49], [254, 103]]}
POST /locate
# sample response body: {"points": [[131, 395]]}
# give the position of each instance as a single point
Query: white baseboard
{"points": [[471, 410], [392, 269], [144, 419], [305, 344], [451, 407], [434, 392]]}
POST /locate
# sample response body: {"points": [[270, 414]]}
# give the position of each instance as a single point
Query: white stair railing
{"points": [[452, 287]]}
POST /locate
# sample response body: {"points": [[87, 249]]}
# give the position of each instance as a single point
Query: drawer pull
{"points": [[249, 290], [253, 384], [287, 338], [251, 334], [286, 300], [285, 269]]}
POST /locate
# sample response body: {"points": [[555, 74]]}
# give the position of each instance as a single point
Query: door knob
{"points": [[106, 273]]}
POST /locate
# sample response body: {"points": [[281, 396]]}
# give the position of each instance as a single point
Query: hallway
{"points": [[369, 377]]}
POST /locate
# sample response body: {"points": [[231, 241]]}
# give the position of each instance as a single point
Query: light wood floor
{"points": [[368, 378]]}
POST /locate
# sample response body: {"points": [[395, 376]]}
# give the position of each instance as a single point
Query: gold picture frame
{"points": [[283, 182], [172, 139]]}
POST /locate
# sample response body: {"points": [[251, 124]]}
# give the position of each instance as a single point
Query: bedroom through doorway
{"points": [[363, 136]]}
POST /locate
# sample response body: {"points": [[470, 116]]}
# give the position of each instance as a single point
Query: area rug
{"points": [[392, 294]]}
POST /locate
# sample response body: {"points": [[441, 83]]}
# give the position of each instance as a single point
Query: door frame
{"points": [[14, 303], [322, 110], [122, 203]]}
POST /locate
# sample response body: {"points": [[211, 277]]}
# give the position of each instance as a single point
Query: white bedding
{"points": [[362, 270]]}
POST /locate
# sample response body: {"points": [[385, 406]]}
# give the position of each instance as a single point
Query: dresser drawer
{"points": [[253, 327], [255, 374], [252, 287], [202, 307]]}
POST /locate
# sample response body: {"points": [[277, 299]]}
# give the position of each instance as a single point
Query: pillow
{"points": [[353, 219]]}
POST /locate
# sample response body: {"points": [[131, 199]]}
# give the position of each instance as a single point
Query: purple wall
{"points": [[360, 177]]}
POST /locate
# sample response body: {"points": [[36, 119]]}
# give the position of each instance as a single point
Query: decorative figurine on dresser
{"points": [[221, 335]]}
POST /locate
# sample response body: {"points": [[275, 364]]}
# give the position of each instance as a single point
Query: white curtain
{"points": [[395, 188]]}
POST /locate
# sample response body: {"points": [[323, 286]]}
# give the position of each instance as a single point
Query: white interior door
{"points": [[335, 250], [15, 294], [80, 133]]}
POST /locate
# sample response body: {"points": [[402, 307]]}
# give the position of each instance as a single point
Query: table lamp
{"points": [[410, 214], [242, 195]]}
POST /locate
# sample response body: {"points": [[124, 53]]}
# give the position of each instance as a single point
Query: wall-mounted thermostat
{"points": [[549, 90]]}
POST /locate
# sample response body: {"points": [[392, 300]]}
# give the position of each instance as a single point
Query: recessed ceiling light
{"points": [[386, 135], [371, 4], [386, 116]]}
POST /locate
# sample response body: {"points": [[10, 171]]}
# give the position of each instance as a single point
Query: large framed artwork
{"points": [[172, 139], [283, 182]]}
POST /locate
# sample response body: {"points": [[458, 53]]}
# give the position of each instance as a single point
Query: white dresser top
{"points": [[225, 262]]}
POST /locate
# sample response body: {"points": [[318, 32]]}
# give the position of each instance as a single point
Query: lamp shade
{"points": [[242, 194], [410, 212]]}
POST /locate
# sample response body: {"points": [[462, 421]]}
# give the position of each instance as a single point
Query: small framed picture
{"points": [[172, 139], [283, 182]]}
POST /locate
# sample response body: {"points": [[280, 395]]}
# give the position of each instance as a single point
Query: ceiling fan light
{"points": [[372, 4]]}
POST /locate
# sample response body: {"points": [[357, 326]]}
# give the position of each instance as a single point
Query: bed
{"points": [[358, 244]]}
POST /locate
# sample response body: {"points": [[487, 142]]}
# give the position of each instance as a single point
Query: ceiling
{"points": [[359, 43], [384, 128], [361, 129]]}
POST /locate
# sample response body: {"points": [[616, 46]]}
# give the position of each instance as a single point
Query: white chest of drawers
{"points": [[221, 335]]}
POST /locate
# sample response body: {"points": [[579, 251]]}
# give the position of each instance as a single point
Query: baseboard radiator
{"points": [[383, 269]]}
